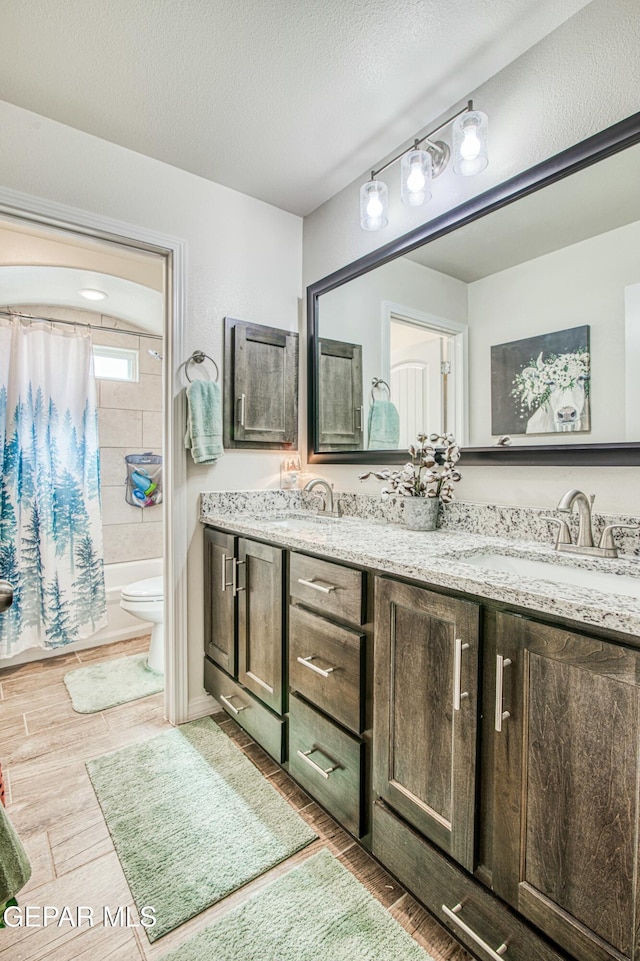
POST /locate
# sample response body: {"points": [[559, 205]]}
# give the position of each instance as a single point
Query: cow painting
{"points": [[541, 385]]}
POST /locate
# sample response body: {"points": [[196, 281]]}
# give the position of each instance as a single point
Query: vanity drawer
{"points": [[263, 726], [328, 763], [327, 666], [330, 588]]}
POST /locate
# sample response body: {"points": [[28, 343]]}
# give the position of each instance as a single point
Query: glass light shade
{"points": [[470, 151], [373, 205], [415, 173]]}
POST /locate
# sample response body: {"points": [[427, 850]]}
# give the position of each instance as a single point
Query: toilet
{"points": [[145, 599]]}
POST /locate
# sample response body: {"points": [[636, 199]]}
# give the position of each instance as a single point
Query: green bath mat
{"points": [[317, 910], [192, 820], [100, 686]]}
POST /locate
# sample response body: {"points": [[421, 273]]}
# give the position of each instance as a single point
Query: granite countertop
{"points": [[438, 558]]}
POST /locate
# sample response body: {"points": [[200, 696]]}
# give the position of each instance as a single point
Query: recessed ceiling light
{"points": [[92, 294]]}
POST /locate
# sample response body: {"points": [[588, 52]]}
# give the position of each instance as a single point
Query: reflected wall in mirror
{"points": [[553, 252]]}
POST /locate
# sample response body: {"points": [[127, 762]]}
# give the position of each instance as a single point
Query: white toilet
{"points": [[145, 599]]}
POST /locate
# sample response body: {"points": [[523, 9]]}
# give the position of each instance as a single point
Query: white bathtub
{"points": [[120, 624]]}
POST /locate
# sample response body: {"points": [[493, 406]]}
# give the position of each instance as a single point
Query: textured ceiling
{"points": [[285, 100]]}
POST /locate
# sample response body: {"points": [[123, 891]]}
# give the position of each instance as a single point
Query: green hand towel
{"points": [[15, 869], [384, 426], [204, 422]]}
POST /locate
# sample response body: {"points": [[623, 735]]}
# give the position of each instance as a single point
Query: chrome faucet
{"points": [[584, 543], [327, 508]]}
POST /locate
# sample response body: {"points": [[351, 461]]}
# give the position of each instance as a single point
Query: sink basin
{"points": [[604, 581], [297, 523]]}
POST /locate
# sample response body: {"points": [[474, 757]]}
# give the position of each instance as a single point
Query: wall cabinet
{"points": [[341, 406], [260, 386], [244, 634]]}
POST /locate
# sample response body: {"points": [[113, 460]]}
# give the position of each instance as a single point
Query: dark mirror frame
{"points": [[618, 137]]}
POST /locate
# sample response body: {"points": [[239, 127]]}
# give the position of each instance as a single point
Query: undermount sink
{"points": [[604, 581], [297, 523]]}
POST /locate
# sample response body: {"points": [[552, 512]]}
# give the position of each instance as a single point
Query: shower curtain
{"points": [[50, 511]]}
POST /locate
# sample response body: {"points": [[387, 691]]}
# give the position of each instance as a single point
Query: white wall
{"points": [[243, 260], [580, 79]]}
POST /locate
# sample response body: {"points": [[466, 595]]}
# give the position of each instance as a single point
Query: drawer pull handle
{"points": [[453, 915], [236, 710], [458, 695], [501, 663], [225, 583], [308, 662], [324, 772], [325, 588]]}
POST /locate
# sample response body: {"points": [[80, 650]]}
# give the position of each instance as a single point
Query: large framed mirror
{"points": [[512, 321]]}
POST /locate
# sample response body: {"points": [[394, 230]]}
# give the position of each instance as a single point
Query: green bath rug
{"points": [[316, 911], [101, 686], [192, 820]]}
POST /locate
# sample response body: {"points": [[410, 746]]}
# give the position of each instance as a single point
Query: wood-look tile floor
{"points": [[43, 748]]}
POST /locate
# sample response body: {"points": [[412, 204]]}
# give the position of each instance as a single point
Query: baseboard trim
{"points": [[202, 706]]}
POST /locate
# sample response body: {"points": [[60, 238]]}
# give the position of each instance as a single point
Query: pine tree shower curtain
{"points": [[50, 511]]}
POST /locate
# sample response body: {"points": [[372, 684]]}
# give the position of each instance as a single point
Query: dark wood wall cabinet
{"points": [[340, 401], [260, 386], [489, 760]]}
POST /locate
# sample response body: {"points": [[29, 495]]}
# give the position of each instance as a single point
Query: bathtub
{"points": [[120, 624]]}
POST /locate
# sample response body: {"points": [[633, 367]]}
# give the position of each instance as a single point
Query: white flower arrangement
{"points": [[431, 472], [535, 384]]}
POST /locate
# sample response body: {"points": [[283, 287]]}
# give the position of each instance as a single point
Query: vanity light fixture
{"points": [[423, 161], [92, 293]]}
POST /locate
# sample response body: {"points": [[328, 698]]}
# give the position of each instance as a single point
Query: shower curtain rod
{"points": [[79, 323]]}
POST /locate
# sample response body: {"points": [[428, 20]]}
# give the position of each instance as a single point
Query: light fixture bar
{"points": [[425, 139]]}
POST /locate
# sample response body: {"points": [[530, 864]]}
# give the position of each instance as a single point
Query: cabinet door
{"points": [[340, 408], [219, 604], [262, 403], [565, 846], [425, 712], [260, 622]]}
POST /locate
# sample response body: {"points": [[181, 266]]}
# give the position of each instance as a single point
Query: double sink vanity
{"points": [[464, 704]]}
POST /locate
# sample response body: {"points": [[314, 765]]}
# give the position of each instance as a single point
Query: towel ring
{"points": [[198, 357], [378, 382]]}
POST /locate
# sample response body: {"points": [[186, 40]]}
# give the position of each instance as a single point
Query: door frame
{"points": [[38, 211]]}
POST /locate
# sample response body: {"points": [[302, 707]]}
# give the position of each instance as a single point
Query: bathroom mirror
{"points": [[516, 314]]}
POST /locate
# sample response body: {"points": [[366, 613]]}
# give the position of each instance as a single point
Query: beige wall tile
{"points": [[120, 427], [152, 515], [152, 429], [115, 509], [107, 338], [145, 395], [129, 542]]}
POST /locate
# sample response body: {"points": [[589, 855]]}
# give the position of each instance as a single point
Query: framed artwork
{"points": [[540, 385]]}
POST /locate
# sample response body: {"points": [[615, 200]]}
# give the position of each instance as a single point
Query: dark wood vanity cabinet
{"points": [[489, 760], [244, 634], [566, 774], [426, 712]]}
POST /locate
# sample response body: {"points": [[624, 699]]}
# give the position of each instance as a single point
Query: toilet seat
{"points": [[149, 591]]}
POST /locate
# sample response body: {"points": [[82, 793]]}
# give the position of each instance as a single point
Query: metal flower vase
{"points": [[420, 513]]}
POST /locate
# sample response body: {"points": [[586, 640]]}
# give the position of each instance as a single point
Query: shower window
{"points": [[115, 363]]}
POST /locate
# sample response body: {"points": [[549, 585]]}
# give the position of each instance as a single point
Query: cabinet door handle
{"points": [[225, 583], [243, 405], [357, 418], [308, 662], [234, 577], [227, 701], [453, 915], [501, 663], [324, 772], [458, 695], [325, 588]]}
